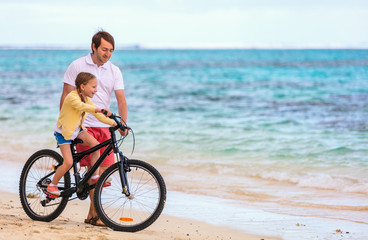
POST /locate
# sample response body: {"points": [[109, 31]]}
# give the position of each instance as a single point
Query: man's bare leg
{"points": [[92, 211]]}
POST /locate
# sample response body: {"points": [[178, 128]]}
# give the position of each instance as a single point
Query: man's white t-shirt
{"points": [[109, 79]]}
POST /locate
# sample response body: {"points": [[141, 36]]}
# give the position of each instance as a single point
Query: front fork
{"points": [[123, 169]]}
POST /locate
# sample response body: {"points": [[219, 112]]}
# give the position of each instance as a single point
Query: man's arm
{"points": [[122, 105], [66, 90]]}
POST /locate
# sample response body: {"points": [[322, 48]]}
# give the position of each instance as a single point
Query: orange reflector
{"points": [[126, 219], [53, 166]]}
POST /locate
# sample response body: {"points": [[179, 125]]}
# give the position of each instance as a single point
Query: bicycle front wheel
{"points": [[143, 206], [37, 173]]}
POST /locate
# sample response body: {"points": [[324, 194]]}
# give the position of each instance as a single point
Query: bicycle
{"points": [[129, 196]]}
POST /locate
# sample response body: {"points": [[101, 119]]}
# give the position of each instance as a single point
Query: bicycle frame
{"points": [[80, 184], [119, 206], [77, 157]]}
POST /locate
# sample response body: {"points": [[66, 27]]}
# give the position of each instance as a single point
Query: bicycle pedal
{"points": [[51, 195]]}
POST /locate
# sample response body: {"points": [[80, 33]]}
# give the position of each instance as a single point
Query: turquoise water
{"points": [[285, 115], [280, 131]]}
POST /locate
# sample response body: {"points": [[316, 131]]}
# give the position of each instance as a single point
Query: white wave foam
{"points": [[339, 183]]}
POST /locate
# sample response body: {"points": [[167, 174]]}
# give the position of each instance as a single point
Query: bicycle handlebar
{"points": [[118, 122], [121, 126]]}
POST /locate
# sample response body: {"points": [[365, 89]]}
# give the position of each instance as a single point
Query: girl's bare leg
{"points": [[67, 163]]}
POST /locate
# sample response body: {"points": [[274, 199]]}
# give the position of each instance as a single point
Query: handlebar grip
{"points": [[103, 111]]}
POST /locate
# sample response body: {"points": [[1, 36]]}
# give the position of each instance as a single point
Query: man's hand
{"points": [[124, 133]]}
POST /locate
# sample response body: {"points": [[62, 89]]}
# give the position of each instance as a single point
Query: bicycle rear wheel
{"points": [[142, 208], [32, 189]]}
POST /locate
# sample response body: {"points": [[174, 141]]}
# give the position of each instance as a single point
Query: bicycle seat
{"points": [[77, 140]]}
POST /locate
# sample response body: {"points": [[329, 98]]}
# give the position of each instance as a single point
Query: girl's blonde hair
{"points": [[83, 78]]}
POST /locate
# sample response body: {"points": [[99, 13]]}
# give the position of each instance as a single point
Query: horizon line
{"points": [[362, 46]]}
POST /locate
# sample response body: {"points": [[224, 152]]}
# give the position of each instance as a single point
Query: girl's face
{"points": [[90, 88]]}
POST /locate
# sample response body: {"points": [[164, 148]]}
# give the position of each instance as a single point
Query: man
{"points": [[110, 80]]}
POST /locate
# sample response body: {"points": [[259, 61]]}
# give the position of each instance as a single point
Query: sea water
{"points": [[284, 131]]}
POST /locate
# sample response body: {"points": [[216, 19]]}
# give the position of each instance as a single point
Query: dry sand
{"points": [[15, 224]]}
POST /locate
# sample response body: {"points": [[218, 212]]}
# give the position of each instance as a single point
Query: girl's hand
{"points": [[104, 111]]}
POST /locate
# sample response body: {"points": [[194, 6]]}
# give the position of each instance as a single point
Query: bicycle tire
{"points": [[121, 213], [37, 166]]}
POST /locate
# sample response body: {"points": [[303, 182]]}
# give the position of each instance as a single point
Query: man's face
{"points": [[103, 53]]}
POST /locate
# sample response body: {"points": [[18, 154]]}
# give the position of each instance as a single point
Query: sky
{"points": [[186, 23]]}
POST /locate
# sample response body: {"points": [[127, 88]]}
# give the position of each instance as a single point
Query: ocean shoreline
{"points": [[239, 216]]}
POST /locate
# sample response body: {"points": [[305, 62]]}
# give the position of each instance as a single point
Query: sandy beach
{"points": [[186, 216], [15, 224]]}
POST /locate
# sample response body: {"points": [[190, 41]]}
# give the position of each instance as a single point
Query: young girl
{"points": [[74, 111]]}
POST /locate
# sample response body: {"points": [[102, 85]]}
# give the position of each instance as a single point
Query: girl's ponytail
{"points": [[82, 78]]}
